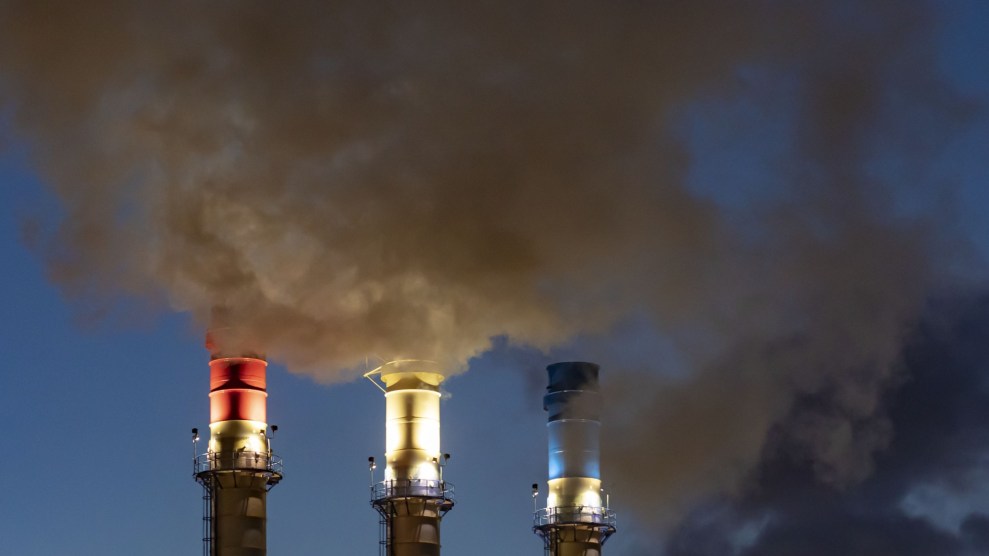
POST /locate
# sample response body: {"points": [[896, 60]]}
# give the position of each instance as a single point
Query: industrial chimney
{"points": [[238, 467], [413, 497], [576, 521]]}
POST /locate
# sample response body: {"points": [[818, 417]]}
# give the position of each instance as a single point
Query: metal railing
{"points": [[236, 461], [409, 488], [572, 515]]}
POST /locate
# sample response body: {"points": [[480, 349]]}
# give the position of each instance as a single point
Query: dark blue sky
{"points": [[97, 408]]}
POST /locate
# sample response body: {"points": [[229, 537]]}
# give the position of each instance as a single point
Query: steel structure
{"points": [[413, 497], [239, 467], [576, 520]]}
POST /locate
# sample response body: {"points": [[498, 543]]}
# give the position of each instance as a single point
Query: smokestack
{"points": [[239, 466], [413, 497], [576, 521]]}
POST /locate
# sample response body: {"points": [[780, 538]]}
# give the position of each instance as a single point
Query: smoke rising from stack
{"points": [[388, 181], [399, 181]]}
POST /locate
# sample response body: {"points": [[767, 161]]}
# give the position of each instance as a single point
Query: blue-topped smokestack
{"points": [[576, 520], [573, 402]]}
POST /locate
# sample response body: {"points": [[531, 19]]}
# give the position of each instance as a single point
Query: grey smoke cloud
{"points": [[941, 423], [351, 180], [833, 284]]}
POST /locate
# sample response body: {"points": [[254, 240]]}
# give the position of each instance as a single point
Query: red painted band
{"points": [[237, 372], [226, 405], [237, 389]]}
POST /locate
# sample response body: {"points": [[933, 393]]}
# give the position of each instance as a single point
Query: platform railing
{"points": [[412, 488], [565, 515], [236, 461]]}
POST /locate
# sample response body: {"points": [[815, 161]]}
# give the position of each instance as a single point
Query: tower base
{"points": [[411, 511]]}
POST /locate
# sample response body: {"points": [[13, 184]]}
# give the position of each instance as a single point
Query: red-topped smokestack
{"points": [[239, 466]]}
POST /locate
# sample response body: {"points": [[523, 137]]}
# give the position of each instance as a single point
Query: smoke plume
{"points": [[354, 179], [398, 181]]}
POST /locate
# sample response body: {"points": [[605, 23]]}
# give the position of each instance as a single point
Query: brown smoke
{"points": [[354, 179], [387, 181]]}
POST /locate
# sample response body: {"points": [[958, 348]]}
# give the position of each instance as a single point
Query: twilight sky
{"points": [[766, 224]]}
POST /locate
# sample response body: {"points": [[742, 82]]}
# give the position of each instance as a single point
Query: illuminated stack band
{"points": [[239, 467], [576, 521], [413, 497]]}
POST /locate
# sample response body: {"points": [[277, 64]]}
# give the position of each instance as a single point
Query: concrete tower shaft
{"points": [[413, 497], [239, 466], [576, 520]]}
